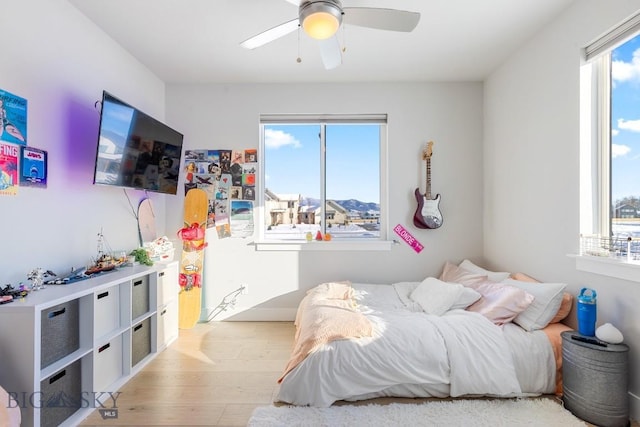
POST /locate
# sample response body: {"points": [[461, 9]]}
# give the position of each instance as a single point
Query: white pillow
{"points": [[404, 289], [546, 303], [494, 276], [435, 296], [466, 298]]}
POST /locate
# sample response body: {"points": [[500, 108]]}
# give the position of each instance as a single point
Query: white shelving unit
{"points": [[66, 348]]}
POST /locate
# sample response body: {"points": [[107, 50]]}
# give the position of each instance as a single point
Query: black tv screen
{"points": [[135, 150]]}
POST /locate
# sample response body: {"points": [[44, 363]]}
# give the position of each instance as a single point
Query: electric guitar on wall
{"points": [[428, 213]]}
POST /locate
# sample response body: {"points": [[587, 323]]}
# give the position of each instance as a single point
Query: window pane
{"points": [[292, 180], [353, 181], [306, 193], [625, 139]]}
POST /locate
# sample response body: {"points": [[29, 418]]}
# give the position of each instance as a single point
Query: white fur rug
{"points": [[473, 412]]}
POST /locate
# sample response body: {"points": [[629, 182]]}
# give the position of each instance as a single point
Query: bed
{"points": [[468, 332]]}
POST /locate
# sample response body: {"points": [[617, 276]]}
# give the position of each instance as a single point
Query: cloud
{"points": [[626, 71], [631, 125], [277, 138], [614, 132], [618, 150]]}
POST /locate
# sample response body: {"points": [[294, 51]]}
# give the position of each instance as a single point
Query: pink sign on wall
{"points": [[408, 238]]}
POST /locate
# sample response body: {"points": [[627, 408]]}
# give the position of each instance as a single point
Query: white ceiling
{"points": [[197, 41]]}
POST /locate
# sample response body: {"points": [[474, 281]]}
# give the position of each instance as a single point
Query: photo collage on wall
{"points": [[229, 179], [19, 165]]}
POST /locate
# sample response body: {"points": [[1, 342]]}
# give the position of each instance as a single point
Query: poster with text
{"points": [[33, 167], [13, 118], [241, 218], [9, 161]]}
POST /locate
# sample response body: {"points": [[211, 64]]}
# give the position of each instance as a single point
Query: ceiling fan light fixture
{"points": [[320, 19]]}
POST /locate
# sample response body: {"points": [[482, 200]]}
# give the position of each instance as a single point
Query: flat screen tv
{"points": [[135, 150]]}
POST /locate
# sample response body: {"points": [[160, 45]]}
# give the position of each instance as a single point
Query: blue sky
{"points": [[625, 120], [292, 161]]}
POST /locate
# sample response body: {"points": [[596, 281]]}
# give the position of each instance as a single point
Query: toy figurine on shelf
{"points": [[9, 293], [36, 276]]}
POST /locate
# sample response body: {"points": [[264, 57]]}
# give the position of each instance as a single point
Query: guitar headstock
{"points": [[427, 152]]}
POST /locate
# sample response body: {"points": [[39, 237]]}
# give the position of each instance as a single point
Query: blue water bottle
{"points": [[587, 312]]}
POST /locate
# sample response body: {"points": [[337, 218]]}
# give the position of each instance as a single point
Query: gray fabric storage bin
{"points": [[61, 395], [140, 341], [139, 297], [60, 332], [595, 381]]}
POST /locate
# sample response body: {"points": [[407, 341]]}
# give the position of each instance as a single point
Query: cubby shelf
{"points": [[66, 347]]}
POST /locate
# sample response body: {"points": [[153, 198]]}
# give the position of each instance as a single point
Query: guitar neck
{"points": [[427, 193]]}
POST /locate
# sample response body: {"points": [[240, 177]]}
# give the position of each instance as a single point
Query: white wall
{"points": [[60, 62], [226, 116], [531, 168]]}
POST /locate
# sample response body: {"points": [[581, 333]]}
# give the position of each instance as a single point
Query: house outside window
{"points": [[323, 174], [610, 143]]}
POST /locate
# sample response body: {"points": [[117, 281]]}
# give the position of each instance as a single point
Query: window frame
{"points": [[383, 242], [596, 208]]}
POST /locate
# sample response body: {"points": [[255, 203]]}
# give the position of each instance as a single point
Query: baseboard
{"points": [[247, 314], [634, 407]]}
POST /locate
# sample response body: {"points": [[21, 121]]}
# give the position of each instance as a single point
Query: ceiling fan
{"points": [[321, 19]]}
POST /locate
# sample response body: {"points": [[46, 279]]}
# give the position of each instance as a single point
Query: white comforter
{"points": [[413, 354]]}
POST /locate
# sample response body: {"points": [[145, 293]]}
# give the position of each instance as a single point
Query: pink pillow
{"points": [[499, 303], [453, 274], [565, 308]]}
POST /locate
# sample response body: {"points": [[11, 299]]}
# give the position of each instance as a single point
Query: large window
{"points": [[324, 177], [610, 197]]}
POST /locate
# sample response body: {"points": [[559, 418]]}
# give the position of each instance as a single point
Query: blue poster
{"points": [[13, 118], [33, 164]]}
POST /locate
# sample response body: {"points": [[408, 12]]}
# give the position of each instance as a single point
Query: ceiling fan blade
{"points": [[381, 19], [330, 52], [271, 34]]}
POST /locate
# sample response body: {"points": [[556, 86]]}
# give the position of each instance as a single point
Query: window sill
{"points": [[378, 245], [620, 269]]}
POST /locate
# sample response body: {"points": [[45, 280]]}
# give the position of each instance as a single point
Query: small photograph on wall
{"points": [[248, 193], [222, 218], [13, 118], [241, 218], [224, 186], [225, 160], [223, 228], [203, 180], [221, 209], [33, 167], [236, 192], [211, 212], [251, 155], [237, 156], [9, 161]]}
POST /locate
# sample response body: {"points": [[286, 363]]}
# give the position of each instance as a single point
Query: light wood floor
{"points": [[215, 374]]}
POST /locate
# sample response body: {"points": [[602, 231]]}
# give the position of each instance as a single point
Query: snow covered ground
{"points": [[299, 231]]}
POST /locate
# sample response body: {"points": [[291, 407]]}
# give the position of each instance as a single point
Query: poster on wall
{"points": [[33, 167], [241, 219], [226, 176], [13, 118], [9, 161]]}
